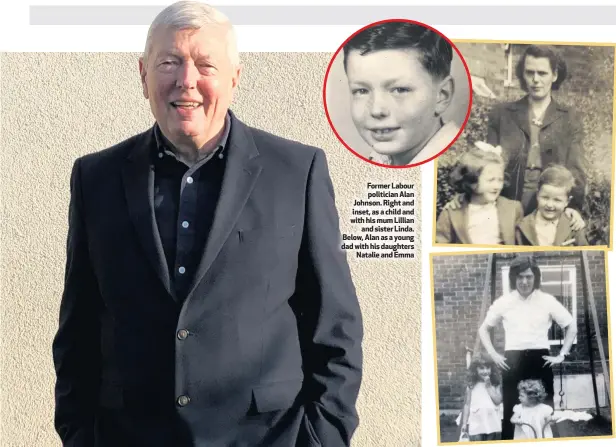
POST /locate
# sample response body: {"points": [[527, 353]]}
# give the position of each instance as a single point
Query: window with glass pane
{"points": [[557, 280]]}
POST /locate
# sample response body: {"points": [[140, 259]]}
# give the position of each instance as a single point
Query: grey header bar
{"points": [[338, 15]]}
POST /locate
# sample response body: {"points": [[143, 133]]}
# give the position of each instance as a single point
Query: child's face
{"points": [[551, 201], [489, 184], [393, 100], [524, 400], [484, 372]]}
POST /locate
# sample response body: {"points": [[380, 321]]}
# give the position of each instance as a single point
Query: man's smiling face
{"points": [[189, 79]]}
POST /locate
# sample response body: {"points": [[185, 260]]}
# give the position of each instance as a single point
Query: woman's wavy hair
{"points": [[473, 375], [520, 264], [557, 63], [534, 390], [469, 167]]}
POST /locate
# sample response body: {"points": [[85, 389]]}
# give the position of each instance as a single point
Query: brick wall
{"points": [[458, 287]]}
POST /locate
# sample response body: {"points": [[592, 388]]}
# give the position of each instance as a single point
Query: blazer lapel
{"points": [[241, 173], [138, 188], [459, 221], [506, 215], [552, 113], [519, 111], [563, 231], [527, 227]]}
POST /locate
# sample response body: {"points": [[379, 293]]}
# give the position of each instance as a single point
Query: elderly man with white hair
{"points": [[206, 300]]}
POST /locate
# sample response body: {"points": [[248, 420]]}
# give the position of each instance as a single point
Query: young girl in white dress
{"points": [[481, 416], [531, 416]]}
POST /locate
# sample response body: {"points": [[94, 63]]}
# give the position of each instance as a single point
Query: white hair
{"points": [[192, 15]]}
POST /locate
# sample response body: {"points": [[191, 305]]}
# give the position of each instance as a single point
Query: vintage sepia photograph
{"points": [[522, 345], [397, 93], [534, 163]]}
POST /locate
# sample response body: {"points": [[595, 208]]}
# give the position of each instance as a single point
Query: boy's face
{"points": [[395, 102], [551, 202]]}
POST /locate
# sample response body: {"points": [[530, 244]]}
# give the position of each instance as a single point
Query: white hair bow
{"points": [[489, 148]]}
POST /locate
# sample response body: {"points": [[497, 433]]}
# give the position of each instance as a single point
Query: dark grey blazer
{"points": [[451, 224], [525, 233], [560, 137], [266, 348]]}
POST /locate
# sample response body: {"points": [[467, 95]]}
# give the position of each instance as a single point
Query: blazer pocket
{"points": [[256, 234], [276, 396]]}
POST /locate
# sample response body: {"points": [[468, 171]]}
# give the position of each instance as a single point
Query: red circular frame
{"points": [[470, 93]]}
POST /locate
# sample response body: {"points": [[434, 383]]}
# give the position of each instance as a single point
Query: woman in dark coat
{"points": [[536, 130]]}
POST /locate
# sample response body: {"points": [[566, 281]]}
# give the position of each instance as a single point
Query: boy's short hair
{"points": [[435, 51], [534, 389], [559, 176], [468, 169], [557, 63]]}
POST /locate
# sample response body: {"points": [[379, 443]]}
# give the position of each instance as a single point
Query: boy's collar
{"points": [[541, 220], [443, 136]]}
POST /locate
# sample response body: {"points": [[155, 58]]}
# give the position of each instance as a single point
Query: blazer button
{"points": [[182, 334], [183, 400]]}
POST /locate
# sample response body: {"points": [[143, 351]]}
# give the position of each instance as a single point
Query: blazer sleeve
{"points": [[76, 351], [329, 317], [519, 212], [444, 231], [576, 161], [493, 133], [519, 239], [580, 238]]}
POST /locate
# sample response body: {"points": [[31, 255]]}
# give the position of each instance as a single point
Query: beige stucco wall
{"points": [[56, 107]]}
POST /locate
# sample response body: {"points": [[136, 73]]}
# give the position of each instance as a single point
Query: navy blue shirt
{"points": [[185, 200]]}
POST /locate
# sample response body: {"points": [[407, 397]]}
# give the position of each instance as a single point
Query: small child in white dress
{"points": [[481, 416], [531, 416]]}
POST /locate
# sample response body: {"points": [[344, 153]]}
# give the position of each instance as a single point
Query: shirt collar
{"points": [[482, 206], [436, 144], [521, 298], [163, 146], [546, 223]]}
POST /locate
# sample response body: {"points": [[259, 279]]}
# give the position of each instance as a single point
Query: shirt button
{"points": [[182, 270], [189, 180], [160, 155], [183, 401], [185, 224], [182, 334]]}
